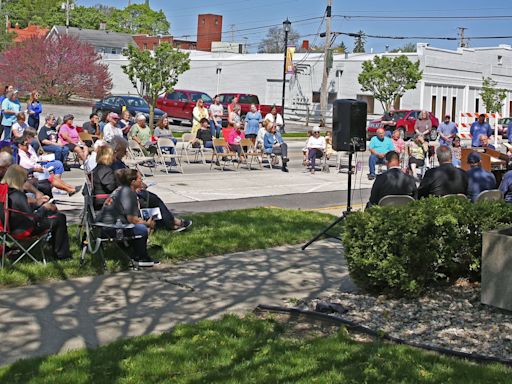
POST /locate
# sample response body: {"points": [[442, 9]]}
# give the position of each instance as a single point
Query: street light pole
{"points": [[67, 7], [287, 27]]}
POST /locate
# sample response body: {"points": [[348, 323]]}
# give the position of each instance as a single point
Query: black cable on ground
{"points": [[363, 329]]}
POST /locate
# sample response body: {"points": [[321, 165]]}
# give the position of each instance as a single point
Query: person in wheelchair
{"points": [[32, 220]]}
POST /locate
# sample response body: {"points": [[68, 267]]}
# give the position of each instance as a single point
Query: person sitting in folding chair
{"points": [[51, 170], [234, 139], [316, 147], [203, 135], [26, 219], [123, 206], [273, 143], [147, 199]]}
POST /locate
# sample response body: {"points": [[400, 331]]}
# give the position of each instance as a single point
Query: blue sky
{"points": [[244, 14]]}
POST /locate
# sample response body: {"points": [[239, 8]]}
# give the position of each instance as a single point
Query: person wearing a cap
{"points": [[315, 146], [68, 135], [379, 146], [478, 128], [479, 179], [10, 109], [447, 131], [111, 129]]}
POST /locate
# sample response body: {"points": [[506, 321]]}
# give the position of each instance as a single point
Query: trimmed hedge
{"points": [[404, 250]]}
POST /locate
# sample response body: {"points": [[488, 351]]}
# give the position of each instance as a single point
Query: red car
{"points": [[180, 103], [245, 100], [405, 120]]}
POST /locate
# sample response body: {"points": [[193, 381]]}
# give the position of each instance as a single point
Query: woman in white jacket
{"points": [[316, 147]]}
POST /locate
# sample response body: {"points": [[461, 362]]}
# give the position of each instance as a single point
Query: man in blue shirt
{"points": [[478, 128], [479, 179], [506, 183], [447, 131], [379, 146]]}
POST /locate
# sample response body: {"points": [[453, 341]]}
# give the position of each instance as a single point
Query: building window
{"points": [[204, 21], [145, 46], [433, 105], [216, 21], [477, 105], [113, 51], [443, 107], [454, 108], [500, 60]]}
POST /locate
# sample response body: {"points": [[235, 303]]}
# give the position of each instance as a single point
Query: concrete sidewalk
{"points": [[88, 312]]}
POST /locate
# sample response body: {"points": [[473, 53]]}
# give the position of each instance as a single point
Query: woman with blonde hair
{"points": [[34, 109], [35, 221], [198, 113], [103, 178]]}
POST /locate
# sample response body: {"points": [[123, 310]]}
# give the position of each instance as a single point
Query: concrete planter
{"points": [[497, 269]]}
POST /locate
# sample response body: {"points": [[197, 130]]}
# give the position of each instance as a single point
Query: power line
{"points": [[416, 17], [255, 28]]}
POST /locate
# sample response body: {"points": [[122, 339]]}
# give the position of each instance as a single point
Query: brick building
{"points": [[209, 29], [151, 42]]}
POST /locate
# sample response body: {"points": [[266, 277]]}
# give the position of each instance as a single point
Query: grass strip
{"points": [[249, 350], [211, 234]]}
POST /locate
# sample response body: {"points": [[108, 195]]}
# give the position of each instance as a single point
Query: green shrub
{"points": [[403, 250]]}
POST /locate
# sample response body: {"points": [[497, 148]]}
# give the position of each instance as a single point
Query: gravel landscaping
{"points": [[451, 318]]}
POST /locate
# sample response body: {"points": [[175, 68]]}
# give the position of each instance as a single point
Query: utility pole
{"points": [[462, 41], [232, 31], [67, 7], [325, 74]]}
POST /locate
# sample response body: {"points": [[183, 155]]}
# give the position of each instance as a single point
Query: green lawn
{"points": [[211, 234], [234, 350]]}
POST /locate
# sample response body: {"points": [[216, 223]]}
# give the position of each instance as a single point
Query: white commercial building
{"points": [[451, 82]]}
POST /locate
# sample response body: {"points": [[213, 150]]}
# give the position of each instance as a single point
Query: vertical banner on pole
{"points": [[290, 51]]}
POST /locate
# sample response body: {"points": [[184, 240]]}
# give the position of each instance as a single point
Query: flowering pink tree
{"points": [[58, 68]]}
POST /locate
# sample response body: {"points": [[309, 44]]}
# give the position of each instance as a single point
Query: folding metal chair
{"points": [[17, 241], [165, 143], [395, 200], [137, 157], [226, 156], [93, 235], [490, 195], [459, 196], [251, 153], [186, 146]]}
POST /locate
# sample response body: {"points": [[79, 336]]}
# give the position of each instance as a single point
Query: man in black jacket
{"points": [[445, 179], [393, 181]]}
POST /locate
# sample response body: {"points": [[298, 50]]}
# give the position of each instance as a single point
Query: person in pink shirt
{"points": [[234, 139], [398, 143], [68, 135]]}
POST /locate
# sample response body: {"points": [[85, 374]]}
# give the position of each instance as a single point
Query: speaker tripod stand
{"points": [[345, 213]]}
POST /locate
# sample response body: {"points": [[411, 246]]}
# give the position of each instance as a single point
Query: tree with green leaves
{"points": [[408, 47], [360, 41], [154, 73], [387, 78], [492, 97], [139, 18], [40, 12], [341, 48]]}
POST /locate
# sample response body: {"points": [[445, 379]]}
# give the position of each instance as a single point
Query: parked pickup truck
{"points": [[180, 103], [245, 100]]}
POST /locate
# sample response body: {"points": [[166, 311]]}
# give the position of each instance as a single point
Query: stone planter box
{"points": [[497, 269]]}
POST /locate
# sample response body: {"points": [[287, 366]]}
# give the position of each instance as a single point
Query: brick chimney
{"points": [[209, 29], [305, 45]]}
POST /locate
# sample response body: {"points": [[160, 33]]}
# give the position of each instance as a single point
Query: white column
{"points": [[422, 95]]}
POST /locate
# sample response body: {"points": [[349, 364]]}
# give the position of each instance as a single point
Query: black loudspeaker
{"points": [[349, 125]]}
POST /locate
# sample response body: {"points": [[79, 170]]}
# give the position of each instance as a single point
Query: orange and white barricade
{"points": [[466, 119]]}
